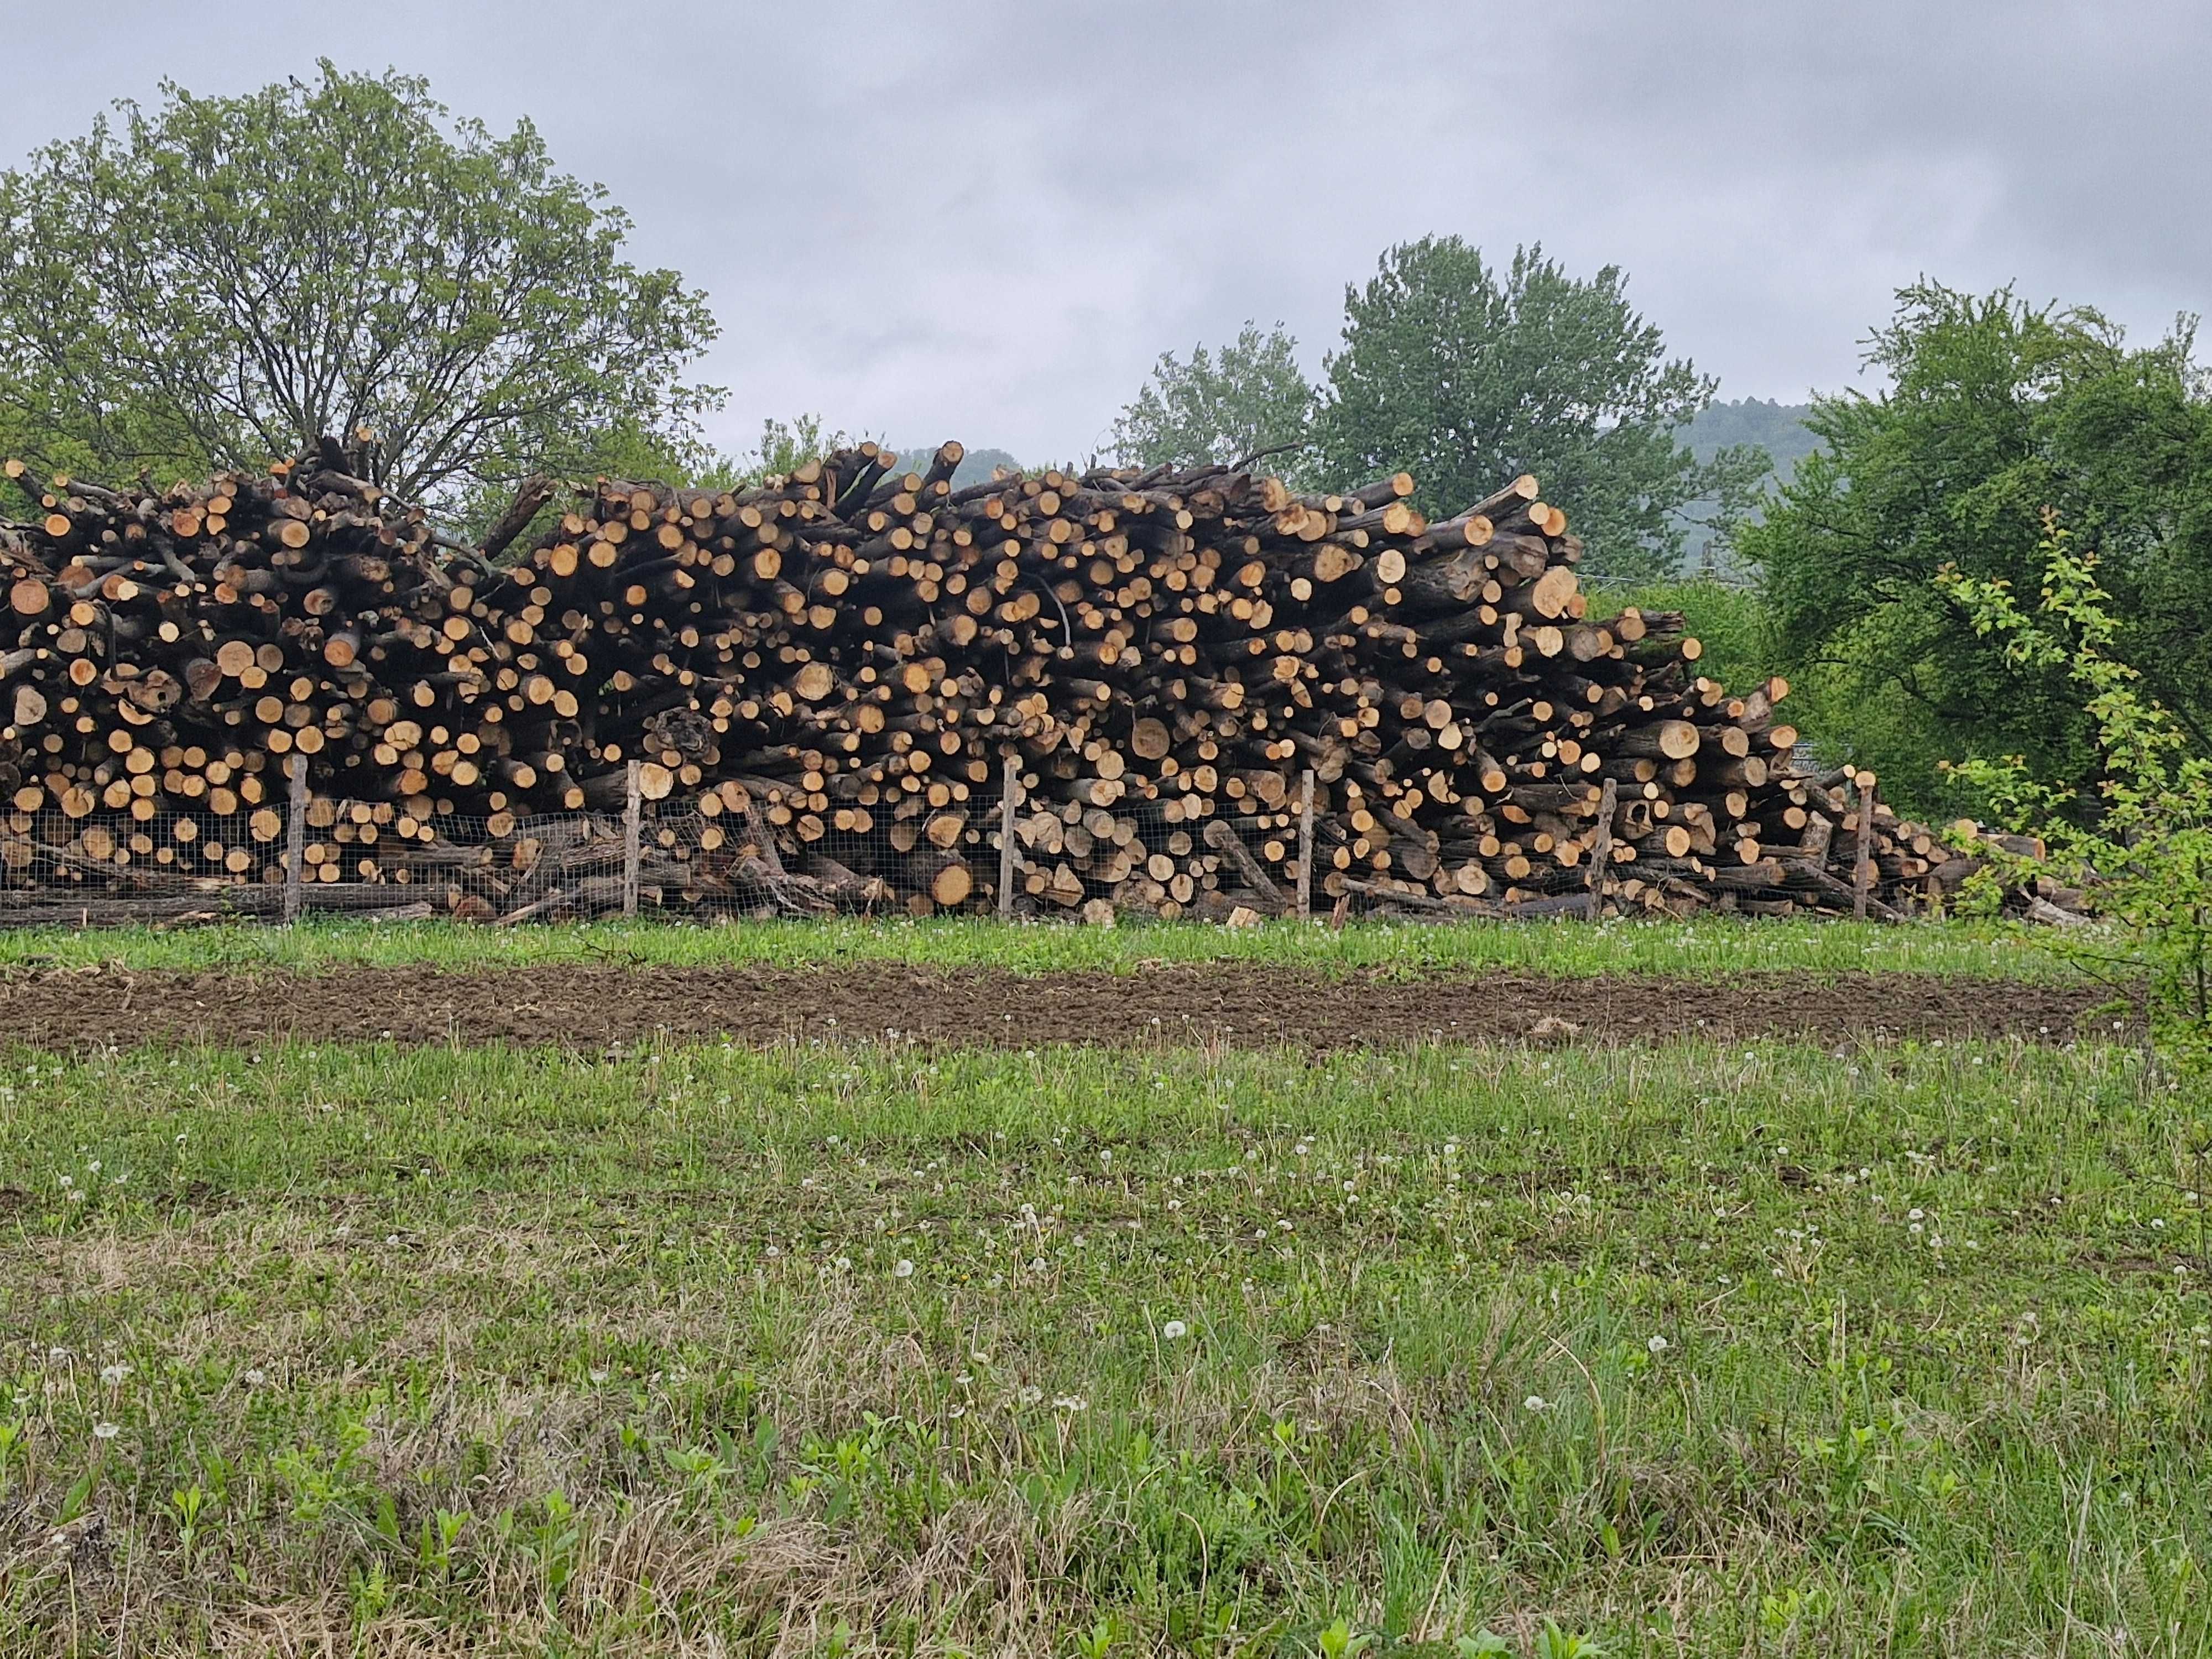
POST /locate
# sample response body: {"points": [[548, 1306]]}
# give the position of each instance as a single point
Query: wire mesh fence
{"points": [[72, 860], [270, 850]]}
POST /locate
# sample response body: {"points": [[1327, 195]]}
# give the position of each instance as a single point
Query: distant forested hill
{"points": [[1778, 428], [975, 466]]}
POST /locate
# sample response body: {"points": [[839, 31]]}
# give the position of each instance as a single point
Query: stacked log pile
{"points": [[821, 679]]}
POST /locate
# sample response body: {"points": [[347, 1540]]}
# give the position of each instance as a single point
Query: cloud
{"points": [[987, 220]]}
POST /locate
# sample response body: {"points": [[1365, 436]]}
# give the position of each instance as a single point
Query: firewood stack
{"points": [[822, 677]]}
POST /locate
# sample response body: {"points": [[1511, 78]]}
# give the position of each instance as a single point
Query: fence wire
{"points": [[938, 850]]}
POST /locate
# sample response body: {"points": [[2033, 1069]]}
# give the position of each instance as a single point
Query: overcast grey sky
{"points": [[986, 221]]}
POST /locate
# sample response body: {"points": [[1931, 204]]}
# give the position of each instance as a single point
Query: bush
{"points": [[2144, 842]]}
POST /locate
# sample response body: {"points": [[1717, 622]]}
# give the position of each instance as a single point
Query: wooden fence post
{"points": [[1601, 848], [1010, 797], [1306, 845], [296, 839], [1863, 856], [632, 810]]}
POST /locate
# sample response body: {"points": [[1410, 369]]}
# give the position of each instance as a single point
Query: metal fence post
{"points": [[1306, 845], [632, 810], [1862, 859], [1009, 804], [296, 839]]}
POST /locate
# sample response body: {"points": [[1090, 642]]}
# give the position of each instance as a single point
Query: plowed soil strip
{"points": [[1239, 1006]]}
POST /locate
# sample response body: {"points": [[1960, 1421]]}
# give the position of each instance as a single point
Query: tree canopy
{"points": [[220, 281], [1468, 376], [1994, 411], [1249, 397]]}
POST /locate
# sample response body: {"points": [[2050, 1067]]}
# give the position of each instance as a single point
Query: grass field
{"points": [[875, 1350], [1712, 948]]}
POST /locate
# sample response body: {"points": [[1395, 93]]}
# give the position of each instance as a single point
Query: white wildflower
{"points": [[1173, 1329]]}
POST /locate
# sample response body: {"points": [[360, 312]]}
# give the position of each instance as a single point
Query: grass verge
{"points": [[1688, 1350], [1715, 948]]}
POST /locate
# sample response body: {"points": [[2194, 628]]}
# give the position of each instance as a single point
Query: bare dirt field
{"points": [[1242, 1006]]}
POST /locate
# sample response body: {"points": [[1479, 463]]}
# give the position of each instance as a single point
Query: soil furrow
{"points": [[1237, 1005]]}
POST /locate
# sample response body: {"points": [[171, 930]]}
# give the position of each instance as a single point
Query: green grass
{"points": [[1716, 948], [1691, 1350]]}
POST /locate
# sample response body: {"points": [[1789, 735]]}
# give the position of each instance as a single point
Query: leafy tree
{"points": [[784, 447], [1248, 399], [224, 280], [625, 450], [1729, 620], [1468, 377], [1995, 410]]}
